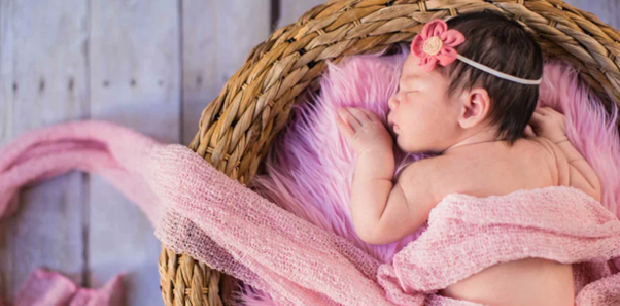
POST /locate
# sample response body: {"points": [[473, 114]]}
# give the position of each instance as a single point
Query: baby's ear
{"points": [[475, 107]]}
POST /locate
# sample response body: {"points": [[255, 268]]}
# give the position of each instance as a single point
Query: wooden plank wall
{"points": [[149, 65], [44, 79], [608, 11], [134, 82], [217, 37]]}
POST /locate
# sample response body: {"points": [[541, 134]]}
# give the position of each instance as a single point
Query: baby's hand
{"points": [[548, 123], [363, 130]]}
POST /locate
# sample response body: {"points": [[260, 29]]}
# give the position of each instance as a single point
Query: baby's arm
{"points": [[379, 209], [370, 190], [550, 124], [582, 176]]}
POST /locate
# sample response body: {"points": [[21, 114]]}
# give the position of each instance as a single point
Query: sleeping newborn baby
{"points": [[468, 93]]}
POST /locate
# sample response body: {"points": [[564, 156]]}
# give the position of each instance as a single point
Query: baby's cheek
{"points": [[411, 136], [422, 124]]}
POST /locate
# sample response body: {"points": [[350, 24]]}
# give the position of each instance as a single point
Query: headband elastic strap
{"points": [[497, 73]]}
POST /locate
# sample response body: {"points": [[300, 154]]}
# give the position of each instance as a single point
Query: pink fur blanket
{"points": [[199, 211], [309, 173], [304, 263]]}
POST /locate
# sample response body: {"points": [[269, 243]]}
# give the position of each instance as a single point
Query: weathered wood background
{"points": [[149, 65]]}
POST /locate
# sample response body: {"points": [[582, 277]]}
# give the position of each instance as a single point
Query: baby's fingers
{"points": [[552, 116], [540, 110], [347, 117], [529, 132], [536, 120], [344, 128], [548, 111], [536, 117], [359, 114], [371, 115]]}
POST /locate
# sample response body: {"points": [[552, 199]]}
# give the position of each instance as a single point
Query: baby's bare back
{"points": [[496, 169]]}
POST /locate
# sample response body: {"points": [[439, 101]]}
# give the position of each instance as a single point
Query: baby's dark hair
{"points": [[495, 41]]}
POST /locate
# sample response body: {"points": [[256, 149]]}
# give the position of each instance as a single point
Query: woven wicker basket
{"points": [[237, 127]]}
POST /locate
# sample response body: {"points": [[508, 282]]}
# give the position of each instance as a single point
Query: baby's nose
{"points": [[392, 102]]}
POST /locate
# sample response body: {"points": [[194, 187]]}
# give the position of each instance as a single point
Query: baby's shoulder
{"points": [[542, 143], [433, 169], [546, 149], [423, 177], [555, 158], [422, 169]]}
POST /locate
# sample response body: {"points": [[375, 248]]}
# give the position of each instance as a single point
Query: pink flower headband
{"points": [[435, 44]]}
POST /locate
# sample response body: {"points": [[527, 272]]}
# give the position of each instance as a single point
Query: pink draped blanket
{"points": [[200, 211]]}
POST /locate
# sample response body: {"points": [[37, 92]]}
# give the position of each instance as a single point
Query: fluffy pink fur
{"points": [[310, 166]]}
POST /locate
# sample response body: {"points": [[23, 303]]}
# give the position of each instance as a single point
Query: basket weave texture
{"points": [[236, 129]]}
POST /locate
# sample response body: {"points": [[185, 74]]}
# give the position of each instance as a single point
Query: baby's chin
{"points": [[414, 148], [407, 147], [406, 143]]}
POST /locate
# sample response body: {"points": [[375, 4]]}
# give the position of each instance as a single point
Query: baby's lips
{"points": [[390, 123], [392, 127]]}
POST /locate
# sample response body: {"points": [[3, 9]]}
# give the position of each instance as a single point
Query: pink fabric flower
{"points": [[435, 44]]}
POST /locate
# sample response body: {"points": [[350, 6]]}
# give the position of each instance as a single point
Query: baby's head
{"points": [[434, 110]]}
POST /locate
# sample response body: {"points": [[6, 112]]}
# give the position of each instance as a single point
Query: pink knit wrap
{"points": [[200, 211]]}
